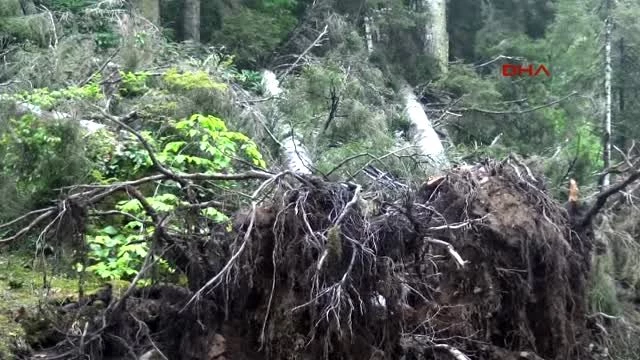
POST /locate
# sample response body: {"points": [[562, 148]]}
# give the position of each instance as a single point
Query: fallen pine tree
{"points": [[479, 263]]}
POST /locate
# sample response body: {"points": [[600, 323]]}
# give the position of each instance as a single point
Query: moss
{"points": [[191, 80], [18, 269]]}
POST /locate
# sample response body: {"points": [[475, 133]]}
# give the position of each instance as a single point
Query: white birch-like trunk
{"points": [[606, 136], [426, 137], [367, 32], [270, 83], [295, 155], [436, 39]]}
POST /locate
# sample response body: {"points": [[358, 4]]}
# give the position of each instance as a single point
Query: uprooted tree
{"points": [[477, 263]]}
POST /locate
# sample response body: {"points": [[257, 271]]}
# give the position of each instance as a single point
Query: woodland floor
{"points": [[21, 286]]}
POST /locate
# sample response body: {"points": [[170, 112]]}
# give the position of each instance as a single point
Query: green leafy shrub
{"points": [[195, 144], [249, 79], [133, 84], [118, 253], [47, 99], [191, 80], [208, 146], [40, 156]]}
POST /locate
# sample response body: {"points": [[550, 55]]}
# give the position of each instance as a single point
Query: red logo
{"points": [[511, 70]]}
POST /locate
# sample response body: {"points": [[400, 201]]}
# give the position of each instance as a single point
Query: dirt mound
{"points": [[479, 264]]}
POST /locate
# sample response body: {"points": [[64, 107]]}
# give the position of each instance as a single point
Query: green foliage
{"points": [[249, 79], [39, 157], [196, 144], [206, 145], [48, 99], [117, 253], [74, 6], [252, 35], [133, 84], [191, 80]]}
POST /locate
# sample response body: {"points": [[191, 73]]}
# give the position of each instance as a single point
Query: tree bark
{"points": [[191, 20], [436, 39], [367, 31], [427, 139], [606, 135]]}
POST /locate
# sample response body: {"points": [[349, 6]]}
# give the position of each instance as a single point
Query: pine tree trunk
{"points": [[436, 39], [606, 136], [191, 20], [295, 154]]}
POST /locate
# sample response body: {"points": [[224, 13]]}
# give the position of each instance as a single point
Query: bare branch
{"points": [[518, 112], [86, 81], [499, 57], [315, 43], [29, 227], [459, 261], [26, 216], [349, 205], [602, 198]]}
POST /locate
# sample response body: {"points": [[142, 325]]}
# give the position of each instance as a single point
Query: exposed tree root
{"points": [[479, 263]]}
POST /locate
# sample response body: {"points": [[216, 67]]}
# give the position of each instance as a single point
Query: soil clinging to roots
{"points": [[478, 264]]}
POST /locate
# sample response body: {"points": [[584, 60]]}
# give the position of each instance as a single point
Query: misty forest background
{"points": [[188, 67]]}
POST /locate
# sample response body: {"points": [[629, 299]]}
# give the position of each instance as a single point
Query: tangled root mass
{"points": [[480, 264]]}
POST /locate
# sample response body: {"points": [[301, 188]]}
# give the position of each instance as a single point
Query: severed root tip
{"points": [[573, 191]]}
